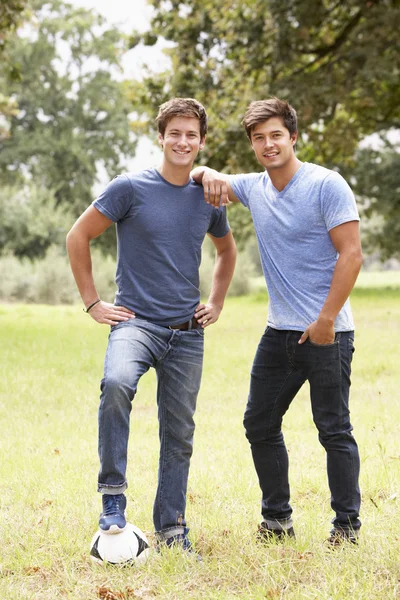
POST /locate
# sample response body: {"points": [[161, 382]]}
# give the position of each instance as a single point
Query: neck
{"points": [[280, 177], [175, 175]]}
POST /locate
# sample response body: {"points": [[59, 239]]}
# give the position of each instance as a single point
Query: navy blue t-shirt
{"points": [[160, 231]]}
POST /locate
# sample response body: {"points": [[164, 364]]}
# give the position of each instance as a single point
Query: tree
{"points": [[73, 111], [30, 221], [376, 182], [336, 61], [10, 17]]}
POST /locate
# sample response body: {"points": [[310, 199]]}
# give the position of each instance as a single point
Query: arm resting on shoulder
{"points": [[346, 239], [225, 260], [217, 188]]}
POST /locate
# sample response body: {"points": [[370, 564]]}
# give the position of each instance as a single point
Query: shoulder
{"points": [[247, 178], [245, 183], [317, 172], [140, 177], [324, 175]]}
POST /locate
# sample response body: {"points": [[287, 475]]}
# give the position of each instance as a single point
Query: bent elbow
{"points": [[357, 258]]}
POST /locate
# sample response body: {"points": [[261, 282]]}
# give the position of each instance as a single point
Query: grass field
{"points": [[51, 362]]}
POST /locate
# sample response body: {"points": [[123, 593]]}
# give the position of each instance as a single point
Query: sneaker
{"points": [[268, 534], [339, 537], [176, 539], [112, 519]]}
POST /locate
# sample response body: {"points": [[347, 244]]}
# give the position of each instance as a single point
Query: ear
{"points": [[161, 140], [202, 143], [294, 138]]}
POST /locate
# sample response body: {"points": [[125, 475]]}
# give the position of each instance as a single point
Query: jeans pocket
{"points": [[322, 345], [334, 343]]}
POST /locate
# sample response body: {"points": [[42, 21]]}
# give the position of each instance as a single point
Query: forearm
{"points": [[78, 247], [222, 276], [217, 188], [344, 277]]}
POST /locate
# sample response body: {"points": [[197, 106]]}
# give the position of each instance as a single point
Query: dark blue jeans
{"points": [[280, 368]]}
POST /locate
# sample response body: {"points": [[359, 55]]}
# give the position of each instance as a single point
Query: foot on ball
{"points": [[112, 519]]}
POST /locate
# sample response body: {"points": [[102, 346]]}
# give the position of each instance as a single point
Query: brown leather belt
{"points": [[192, 324]]}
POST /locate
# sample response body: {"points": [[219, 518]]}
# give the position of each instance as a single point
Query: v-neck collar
{"points": [[289, 184]]}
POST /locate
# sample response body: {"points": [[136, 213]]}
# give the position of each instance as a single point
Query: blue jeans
{"points": [[280, 368], [177, 356]]}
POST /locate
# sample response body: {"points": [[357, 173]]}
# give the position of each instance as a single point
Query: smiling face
{"points": [[273, 145], [181, 141]]}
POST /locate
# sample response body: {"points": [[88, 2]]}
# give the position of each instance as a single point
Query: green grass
{"points": [[51, 366]]}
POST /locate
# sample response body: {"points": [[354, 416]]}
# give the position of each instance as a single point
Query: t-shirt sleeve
{"points": [[242, 185], [338, 204], [219, 225], [116, 200]]}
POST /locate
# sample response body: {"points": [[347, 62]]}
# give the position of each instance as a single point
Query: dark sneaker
{"points": [[112, 519], [176, 538], [339, 537], [268, 534]]}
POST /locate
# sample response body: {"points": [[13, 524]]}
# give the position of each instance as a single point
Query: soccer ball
{"points": [[130, 546]]}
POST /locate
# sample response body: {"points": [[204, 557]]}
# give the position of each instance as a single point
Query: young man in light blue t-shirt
{"points": [[306, 222], [157, 319]]}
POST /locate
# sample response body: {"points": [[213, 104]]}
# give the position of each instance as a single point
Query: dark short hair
{"points": [[182, 107], [261, 110]]}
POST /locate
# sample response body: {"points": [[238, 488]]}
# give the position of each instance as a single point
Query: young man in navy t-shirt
{"points": [[157, 319], [306, 222]]}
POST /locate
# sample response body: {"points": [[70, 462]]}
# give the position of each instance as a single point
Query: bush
{"points": [[50, 280]]}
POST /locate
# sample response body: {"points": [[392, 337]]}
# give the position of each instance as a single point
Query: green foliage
{"points": [[376, 181], [73, 112], [336, 62], [49, 280], [10, 16], [31, 221]]}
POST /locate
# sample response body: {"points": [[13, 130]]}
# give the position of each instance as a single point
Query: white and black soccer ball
{"points": [[130, 546]]}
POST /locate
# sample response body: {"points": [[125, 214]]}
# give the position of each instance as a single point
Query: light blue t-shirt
{"points": [[160, 231], [292, 227]]}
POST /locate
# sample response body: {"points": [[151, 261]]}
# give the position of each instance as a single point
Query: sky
{"points": [[129, 15]]}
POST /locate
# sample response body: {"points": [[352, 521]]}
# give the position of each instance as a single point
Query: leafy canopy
{"points": [[337, 62], [73, 112]]}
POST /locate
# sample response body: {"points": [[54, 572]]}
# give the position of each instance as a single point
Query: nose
{"points": [[182, 141], [268, 142]]}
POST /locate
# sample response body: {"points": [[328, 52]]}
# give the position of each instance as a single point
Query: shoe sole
{"points": [[113, 529]]}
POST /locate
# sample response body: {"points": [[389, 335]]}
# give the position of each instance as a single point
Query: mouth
{"points": [[270, 154], [182, 152]]}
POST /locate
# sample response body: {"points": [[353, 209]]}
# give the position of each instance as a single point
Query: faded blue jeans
{"points": [[280, 368], [177, 356]]}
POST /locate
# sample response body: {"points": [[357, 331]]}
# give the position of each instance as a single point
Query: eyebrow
{"points": [[274, 131], [180, 130]]}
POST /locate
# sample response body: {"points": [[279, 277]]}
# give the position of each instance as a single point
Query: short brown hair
{"points": [[262, 110], [182, 107]]}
